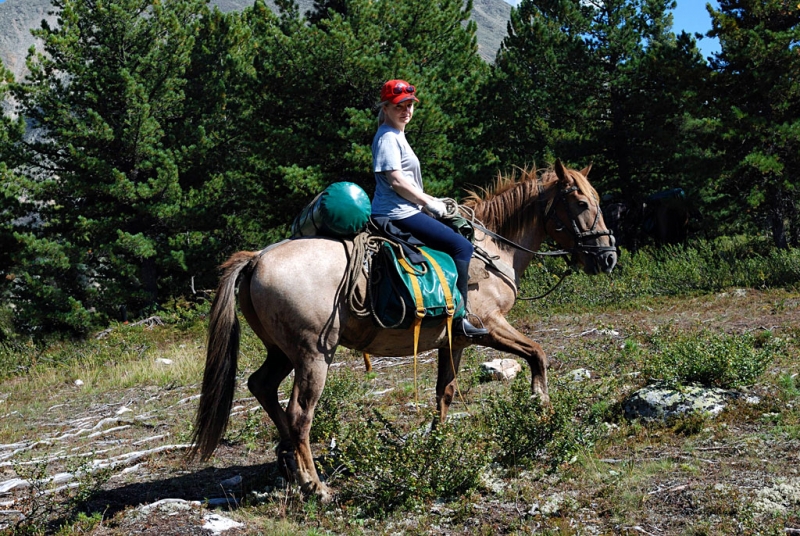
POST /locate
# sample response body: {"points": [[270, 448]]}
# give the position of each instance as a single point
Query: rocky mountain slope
{"points": [[18, 17]]}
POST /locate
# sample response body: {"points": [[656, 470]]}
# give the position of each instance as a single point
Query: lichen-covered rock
{"points": [[578, 375], [660, 402], [779, 498]]}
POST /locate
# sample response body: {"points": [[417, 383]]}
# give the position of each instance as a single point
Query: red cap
{"points": [[397, 91]]}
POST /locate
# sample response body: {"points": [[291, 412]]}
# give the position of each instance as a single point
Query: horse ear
{"points": [[561, 173], [585, 171]]}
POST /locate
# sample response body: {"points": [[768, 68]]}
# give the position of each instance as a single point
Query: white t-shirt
{"points": [[391, 151]]}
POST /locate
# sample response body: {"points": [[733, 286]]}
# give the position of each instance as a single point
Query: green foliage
{"points": [[702, 266], [609, 85], [42, 512], [339, 399], [758, 103], [390, 469], [790, 386], [106, 183], [531, 435], [690, 423], [707, 358]]}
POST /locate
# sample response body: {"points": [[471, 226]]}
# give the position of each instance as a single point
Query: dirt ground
{"points": [[639, 480]]}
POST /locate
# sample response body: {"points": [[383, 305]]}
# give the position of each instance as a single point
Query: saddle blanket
{"points": [[400, 289]]}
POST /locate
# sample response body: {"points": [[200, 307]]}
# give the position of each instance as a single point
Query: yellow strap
{"points": [[417, 325], [415, 287], [448, 296], [367, 362]]}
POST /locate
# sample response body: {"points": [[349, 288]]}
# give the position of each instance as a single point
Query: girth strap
{"points": [[420, 308]]}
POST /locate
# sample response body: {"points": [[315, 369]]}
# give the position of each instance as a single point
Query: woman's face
{"points": [[398, 115]]}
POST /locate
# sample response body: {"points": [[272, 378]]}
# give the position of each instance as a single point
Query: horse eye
{"points": [[583, 204]]}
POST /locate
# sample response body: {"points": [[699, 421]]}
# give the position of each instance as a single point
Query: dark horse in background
{"points": [[662, 217], [294, 296]]}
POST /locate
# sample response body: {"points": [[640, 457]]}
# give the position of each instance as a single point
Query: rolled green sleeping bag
{"points": [[340, 211]]}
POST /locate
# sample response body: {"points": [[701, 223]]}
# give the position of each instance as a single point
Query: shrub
{"points": [[700, 266], [710, 359], [389, 469], [527, 433], [342, 391]]}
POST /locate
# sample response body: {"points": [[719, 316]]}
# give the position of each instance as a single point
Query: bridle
{"points": [[580, 237]]}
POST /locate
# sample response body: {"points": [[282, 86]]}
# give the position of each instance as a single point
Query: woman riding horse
{"points": [[399, 195]]}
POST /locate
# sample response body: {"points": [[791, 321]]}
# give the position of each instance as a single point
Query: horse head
{"points": [[574, 220]]}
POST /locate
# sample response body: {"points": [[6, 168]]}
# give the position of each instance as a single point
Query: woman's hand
{"points": [[436, 207]]}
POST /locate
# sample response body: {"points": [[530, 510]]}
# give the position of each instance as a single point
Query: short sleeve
{"points": [[387, 154]]}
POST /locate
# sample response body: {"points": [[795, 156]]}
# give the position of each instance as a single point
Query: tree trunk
{"points": [[150, 280], [776, 216], [794, 222]]}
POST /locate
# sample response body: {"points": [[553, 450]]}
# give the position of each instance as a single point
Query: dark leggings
{"points": [[437, 235]]}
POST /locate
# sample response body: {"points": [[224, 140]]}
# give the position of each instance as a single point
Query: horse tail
{"points": [[219, 378]]}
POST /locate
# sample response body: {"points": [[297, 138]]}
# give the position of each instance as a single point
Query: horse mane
{"points": [[508, 206]]}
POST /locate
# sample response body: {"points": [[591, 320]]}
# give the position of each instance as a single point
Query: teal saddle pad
{"points": [[392, 291]]}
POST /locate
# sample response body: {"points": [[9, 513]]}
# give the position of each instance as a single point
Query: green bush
{"points": [[389, 469], [710, 359], [699, 267], [341, 393], [528, 434]]}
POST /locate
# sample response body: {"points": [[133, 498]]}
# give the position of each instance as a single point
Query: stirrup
{"points": [[465, 328]]}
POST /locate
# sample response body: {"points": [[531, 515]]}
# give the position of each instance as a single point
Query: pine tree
{"points": [[105, 98], [757, 79], [11, 192], [317, 86], [587, 82]]}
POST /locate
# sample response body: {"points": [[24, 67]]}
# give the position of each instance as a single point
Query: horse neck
{"points": [[516, 215]]}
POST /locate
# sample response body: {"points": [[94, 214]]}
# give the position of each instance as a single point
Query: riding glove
{"points": [[437, 208]]}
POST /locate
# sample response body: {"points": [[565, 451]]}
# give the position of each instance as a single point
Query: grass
{"points": [[721, 314]]}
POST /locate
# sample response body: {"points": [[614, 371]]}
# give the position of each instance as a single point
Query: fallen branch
{"points": [[121, 461], [637, 528], [679, 487]]}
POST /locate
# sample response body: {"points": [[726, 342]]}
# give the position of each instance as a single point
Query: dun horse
{"points": [[292, 297]]}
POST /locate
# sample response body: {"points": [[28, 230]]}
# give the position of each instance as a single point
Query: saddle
{"points": [[401, 292]]}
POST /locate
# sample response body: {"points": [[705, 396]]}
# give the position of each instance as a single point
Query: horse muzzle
{"points": [[598, 258]]}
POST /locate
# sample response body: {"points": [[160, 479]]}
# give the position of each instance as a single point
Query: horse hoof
{"points": [[318, 490], [287, 465]]}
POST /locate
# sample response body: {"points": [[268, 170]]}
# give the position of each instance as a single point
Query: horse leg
{"points": [[446, 381], [309, 380], [502, 336], [264, 384]]}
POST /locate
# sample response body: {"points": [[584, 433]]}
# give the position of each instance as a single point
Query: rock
{"points": [[217, 523], [578, 375], [231, 482], [164, 361], [78, 383], [660, 402], [169, 505], [553, 504], [500, 369]]}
